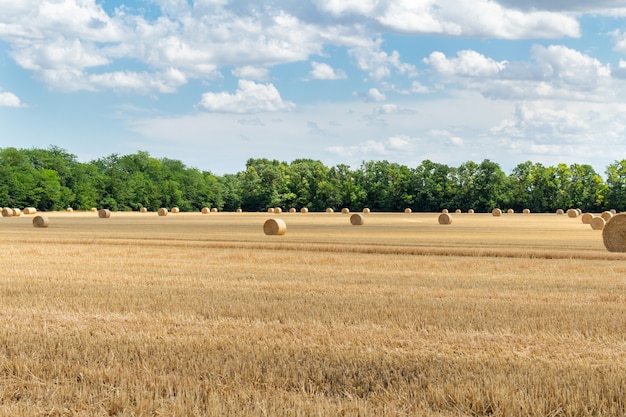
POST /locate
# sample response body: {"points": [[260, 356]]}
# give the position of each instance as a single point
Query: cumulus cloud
{"points": [[10, 100], [250, 97], [379, 64], [322, 71], [376, 148]]}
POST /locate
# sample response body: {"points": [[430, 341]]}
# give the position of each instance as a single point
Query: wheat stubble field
{"points": [[204, 315]]}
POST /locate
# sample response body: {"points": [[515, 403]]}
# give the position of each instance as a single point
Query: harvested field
{"points": [[518, 315]]}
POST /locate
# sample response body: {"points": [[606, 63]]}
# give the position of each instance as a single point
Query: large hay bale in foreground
{"points": [[40, 221], [275, 227], [496, 212], [162, 212], [572, 213], [30, 210], [7, 212], [445, 218], [357, 219], [614, 233], [104, 213], [586, 218], [606, 215], [597, 223]]}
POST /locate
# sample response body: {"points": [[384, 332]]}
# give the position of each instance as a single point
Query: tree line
{"points": [[53, 179]]}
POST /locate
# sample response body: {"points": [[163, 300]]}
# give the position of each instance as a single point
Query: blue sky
{"points": [[215, 82]]}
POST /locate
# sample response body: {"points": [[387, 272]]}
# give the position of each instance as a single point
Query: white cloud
{"points": [[249, 72], [468, 63], [250, 97], [378, 64], [8, 99], [373, 94], [322, 71]]}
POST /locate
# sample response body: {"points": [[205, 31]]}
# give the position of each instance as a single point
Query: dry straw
{"points": [[606, 215], [345, 210], [408, 210], [104, 213], [614, 233], [496, 212], [17, 212], [40, 221], [357, 219], [162, 212], [7, 212], [444, 211], [586, 218], [458, 211], [292, 210], [214, 210], [143, 210], [30, 210], [69, 209], [366, 210], [304, 210], [175, 210], [597, 223], [613, 211], [274, 227], [93, 209], [329, 210], [239, 210], [470, 211], [572, 213], [278, 210], [510, 211], [205, 210], [560, 212], [270, 210], [445, 218], [526, 211]]}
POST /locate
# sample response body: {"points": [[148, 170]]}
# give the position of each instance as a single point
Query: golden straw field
{"points": [[195, 314]]}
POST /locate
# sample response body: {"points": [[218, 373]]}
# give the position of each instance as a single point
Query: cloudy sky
{"points": [[215, 82]]}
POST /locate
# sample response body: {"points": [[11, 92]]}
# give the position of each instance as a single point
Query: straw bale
{"points": [[205, 210], [526, 211], [444, 211], [40, 221], [614, 233], [366, 210], [7, 212], [613, 211], [597, 223], [213, 209], [278, 210], [445, 218], [606, 215], [470, 211], [104, 213], [560, 212], [175, 210], [408, 210], [275, 227], [357, 219], [93, 210], [586, 218], [496, 212], [69, 209], [162, 212], [292, 210], [270, 210], [30, 210], [510, 211], [239, 210], [345, 210], [304, 210], [330, 210], [458, 211], [572, 213], [17, 212], [143, 210]]}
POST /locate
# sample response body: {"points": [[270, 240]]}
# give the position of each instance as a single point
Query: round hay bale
{"points": [[510, 211], [104, 213], [496, 212], [69, 209], [345, 210], [292, 210], [239, 210], [606, 215], [175, 210], [270, 210], [614, 233], [579, 211], [7, 212], [458, 211], [526, 211], [366, 211], [470, 211], [572, 213], [17, 212], [30, 210], [40, 221], [304, 210], [93, 210], [357, 219], [274, 227], [597, 223], [444, 211], [613, 211], [278, 210], [445, 218], [162, 212], [143, 210], [213, 209], [560, 212], [205, 210], [329, 210], [586, 218], [408, 210]]}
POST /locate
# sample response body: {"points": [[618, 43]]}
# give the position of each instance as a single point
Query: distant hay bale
{"points": [[69, 209], [366, 211], [458, 211], [444, 211], [278, 210], [613, 211], [579, 211], [560, 212], [330, 210], [205, 210], [175, 210], [470, 211], [408, 210], [572, 213], [270, 210], [17, 212], [586, 218], [304, 210], [292, 210], [7, 212], [614, 233], [30, 210], [104, 213], [606, 215], [510, 211], [162, 212], [496, 212], [597, 223], [345, 210], [239, 210], [40, 221], [357, 219], [93, 209], [526, 211], [274, 227], [143, 210], [213, 209], [445, 218]]}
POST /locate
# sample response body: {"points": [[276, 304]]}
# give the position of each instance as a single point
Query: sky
{"points": [[213, 83]]}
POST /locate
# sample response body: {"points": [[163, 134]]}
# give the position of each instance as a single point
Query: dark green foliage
{"points": [[52, 179]]}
